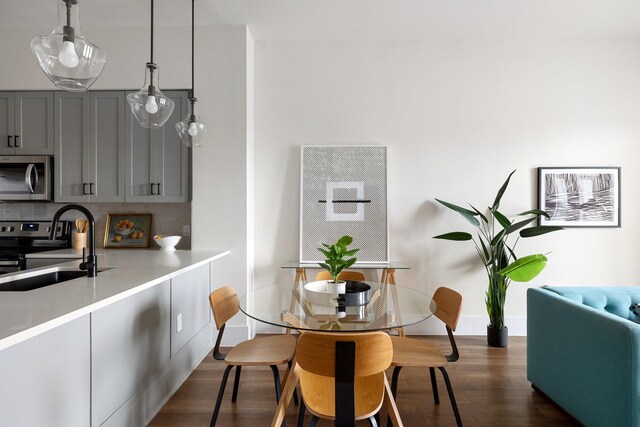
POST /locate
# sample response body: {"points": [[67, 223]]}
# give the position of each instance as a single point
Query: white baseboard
{"points": [[467, 325]]}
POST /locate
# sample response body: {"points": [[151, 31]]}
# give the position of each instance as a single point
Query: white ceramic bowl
{"points": [[166, 243]]}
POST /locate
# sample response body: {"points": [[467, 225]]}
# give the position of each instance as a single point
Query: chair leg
{"points": [[451, 396], [301, 411], [434, 386], [394, 388], [314, 421], [373, 422], [276, 380], [236, 383], [223, 384]]}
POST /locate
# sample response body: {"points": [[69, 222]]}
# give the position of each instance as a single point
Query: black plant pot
{"points": [[497, 337]]}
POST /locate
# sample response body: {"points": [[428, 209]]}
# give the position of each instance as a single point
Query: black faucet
{"points": [[90, 261]]}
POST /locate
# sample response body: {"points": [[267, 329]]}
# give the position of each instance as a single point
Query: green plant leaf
{"points": [[518, 225], [456, 235], [498, 237], [352, 252], [487, 255], [325, 253], [345, 241], [466, 213], [484, 218], [525, 268], [325, 266], [536, 212], [539, 230], [496, 202], [503, 220]]}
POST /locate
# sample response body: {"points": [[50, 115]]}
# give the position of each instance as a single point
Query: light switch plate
{"points": [[179, 322]]}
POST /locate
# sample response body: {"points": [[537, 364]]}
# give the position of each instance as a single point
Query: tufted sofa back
{"points": [[614, 300]]}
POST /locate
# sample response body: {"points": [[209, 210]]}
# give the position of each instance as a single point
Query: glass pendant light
{"points": [[71, 62], [149, 105], [191, 129]]}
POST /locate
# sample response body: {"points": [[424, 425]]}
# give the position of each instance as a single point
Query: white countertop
{"points": [[26, 314]]}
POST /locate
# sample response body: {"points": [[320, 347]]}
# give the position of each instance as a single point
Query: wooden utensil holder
{"points": [[79, 240]]}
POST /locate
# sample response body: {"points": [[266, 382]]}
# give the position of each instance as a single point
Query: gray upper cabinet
{"points": [[26, 123], [157, 160], [90, 146]]}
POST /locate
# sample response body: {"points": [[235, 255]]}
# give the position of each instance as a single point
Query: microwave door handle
{"points": [[27, 177]]}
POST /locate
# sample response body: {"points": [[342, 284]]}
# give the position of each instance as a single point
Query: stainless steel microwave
{"points": [[26, 178]]}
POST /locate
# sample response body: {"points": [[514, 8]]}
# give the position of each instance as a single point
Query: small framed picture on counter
{"points": [[127, 230]]}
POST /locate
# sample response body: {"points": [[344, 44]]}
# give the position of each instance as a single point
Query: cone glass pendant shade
{"points": [[149, 105], [192, 129], [71, 62]]}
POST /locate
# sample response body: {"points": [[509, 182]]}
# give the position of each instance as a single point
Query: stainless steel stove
{"points": [[19, 238]]}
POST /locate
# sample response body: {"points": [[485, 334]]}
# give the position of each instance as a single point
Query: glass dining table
{"points": [[307, 306]]}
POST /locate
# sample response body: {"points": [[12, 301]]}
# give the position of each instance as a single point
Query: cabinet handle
{"points": [[91, 189], [9, 144], [159, 192], [18, 144], [84, 188], [152, 193]]}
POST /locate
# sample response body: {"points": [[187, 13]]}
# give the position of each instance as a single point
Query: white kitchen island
{"points": [[108, 350]]}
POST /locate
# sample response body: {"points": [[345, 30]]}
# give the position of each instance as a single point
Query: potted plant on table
{"points": [[498, 257], [335, 260]]}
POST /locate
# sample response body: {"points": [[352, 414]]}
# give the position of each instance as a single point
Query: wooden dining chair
{"points": [[347, 275], [268, 351], [421, 353], [342, 377]]}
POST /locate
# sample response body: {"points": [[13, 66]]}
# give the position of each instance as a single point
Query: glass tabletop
{"points": [[309, 307], [391, 265]]}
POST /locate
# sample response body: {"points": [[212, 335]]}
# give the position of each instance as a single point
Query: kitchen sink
{"points": [[45, 278]]}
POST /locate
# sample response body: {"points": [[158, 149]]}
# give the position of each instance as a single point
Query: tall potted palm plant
{"points": [[497, 253]]}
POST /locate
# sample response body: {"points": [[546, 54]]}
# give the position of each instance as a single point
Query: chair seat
{"points": [[274, 350], [413, 352]]}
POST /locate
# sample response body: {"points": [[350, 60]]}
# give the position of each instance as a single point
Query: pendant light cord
{"points": [[192, 46], [152, 31]]}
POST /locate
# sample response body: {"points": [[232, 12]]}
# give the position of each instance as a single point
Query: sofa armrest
{"points": [[586, 360]]}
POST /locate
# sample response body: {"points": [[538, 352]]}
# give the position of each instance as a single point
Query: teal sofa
{"points": [[583, 351]]}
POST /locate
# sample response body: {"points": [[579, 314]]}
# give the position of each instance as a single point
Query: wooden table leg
{"points": [[389, 277], [301, 275]]}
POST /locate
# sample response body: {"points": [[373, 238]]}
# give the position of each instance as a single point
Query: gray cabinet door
{"points": [[6, 123], [190, 311], [106, 146], [46, 379], [26, 123], [72, 176], [89, 146], [157, 161], [33, 126], [129, 342]]}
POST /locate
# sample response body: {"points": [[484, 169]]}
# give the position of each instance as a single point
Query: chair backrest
{"points": [[355, 276], [224, 304], [448, 306], [342, 374]]}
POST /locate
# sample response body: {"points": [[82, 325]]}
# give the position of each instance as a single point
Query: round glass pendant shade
{"points": [[191, 129], [149, 105], [71, 62]]}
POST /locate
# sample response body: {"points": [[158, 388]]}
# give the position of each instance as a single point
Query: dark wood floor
{"points": [[490, 385]]}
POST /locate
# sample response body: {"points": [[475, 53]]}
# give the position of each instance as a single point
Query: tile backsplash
{"points": [[167, 218]]}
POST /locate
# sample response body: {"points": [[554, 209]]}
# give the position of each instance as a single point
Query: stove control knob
{"points": [[10, 228], [3, 228], [47, 229]]}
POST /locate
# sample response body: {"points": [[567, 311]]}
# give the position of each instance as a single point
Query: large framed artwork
{"points": [[580, 196], [343, 190]]}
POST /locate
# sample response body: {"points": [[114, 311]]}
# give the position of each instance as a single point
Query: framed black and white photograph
{"points": [[343, 190], [579, 196]]}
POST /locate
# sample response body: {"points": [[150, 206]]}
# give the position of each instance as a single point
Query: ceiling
{"points": [[359, 20]]}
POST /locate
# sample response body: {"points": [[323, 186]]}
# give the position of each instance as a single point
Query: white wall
{"points": [[457, 117]]}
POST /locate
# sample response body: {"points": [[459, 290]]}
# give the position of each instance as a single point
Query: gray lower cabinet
{"points": [[46, 379], [190, 311], [26, 123], [90, 146], [130, 340], [157, 160]]}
